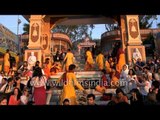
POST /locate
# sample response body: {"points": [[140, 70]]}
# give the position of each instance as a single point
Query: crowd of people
{"points": [[136, 82]]}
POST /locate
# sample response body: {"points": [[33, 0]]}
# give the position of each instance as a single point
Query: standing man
{"points": [[69, 81], [17, 60], [6, 61], [100, 61], [91, 99], [68, 60], [89, 60]]}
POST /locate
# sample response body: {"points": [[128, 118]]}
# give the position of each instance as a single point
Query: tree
{"points": [[110, 27], [150, 41], [146, 21], [75, 32], [26, 28], [158, 25]]}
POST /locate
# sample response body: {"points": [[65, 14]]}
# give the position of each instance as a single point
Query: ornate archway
{"points": [[41, 25]]}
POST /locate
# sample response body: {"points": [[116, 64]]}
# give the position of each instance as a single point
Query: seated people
{"points": [[91, 99], [66, 102], [120, 96]]}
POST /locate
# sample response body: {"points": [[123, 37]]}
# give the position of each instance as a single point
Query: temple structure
{"points": [[41, 25]]}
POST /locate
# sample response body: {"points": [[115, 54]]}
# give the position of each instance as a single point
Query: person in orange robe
{"points": [[68, 60], [6, 61], [108, 64], [114, 79], [121, 60], [17, 61], [120, 97], [89, 60], [69, 83], [100, 61], [105, 83], [47, 68]]}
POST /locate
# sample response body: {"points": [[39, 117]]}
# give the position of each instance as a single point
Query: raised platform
{"points": [[80, 74], [88, 79]]}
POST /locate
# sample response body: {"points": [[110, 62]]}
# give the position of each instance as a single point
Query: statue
{"points": [[137, 54], [35, 30], [32, 60]]}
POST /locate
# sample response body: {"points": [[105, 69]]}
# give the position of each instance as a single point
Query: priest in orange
{"points": [[17, 61], [100, 61], [121, 60], [69, 83], [89, 60], [6, 61], [68, 59], [114, 79], [108, 64]]}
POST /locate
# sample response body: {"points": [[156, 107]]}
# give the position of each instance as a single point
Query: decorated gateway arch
{"points": [[41, 25]]}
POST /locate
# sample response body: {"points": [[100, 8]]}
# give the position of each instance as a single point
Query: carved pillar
{"points": [[123, 34], [134, 38], [123, 30], [35, 33], [46, 38]]}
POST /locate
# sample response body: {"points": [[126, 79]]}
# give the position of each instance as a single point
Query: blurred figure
{"points": [[66, 102], [120, 96], [18, 84], [47, 68], [144, 86], [124, 72], [6, 61], [121, 60], [25, 97], [91, 99], [132, 80], [31, 61], [69, 83], [89, 60], [136, 97], [22, 67], [15, 98], [1, 77], [109, 64], [7, 88], [104, 84], [68, 60], [17, 60], [151, 99], [136, 54], [114, 79], [38, 82], [3, 100], [100, 61]]}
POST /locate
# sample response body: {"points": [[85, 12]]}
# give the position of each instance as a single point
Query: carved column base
{"points": [[37, 53], [130, 50]]}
